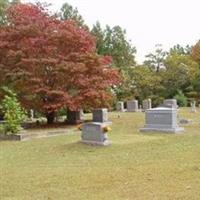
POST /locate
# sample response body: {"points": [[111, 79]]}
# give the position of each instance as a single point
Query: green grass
{"points": [[136, 166]]}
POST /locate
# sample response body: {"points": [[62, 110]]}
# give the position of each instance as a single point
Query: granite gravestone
{"points": [[170, 103], [193, 106], [132, 106], [146, 104], [161, 119], [100, 115], [82, 114], [120, 106], [73, 117], [95, 132], [31, 114]]}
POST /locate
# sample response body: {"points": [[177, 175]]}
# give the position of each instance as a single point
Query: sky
{"points": [[147, 22]]}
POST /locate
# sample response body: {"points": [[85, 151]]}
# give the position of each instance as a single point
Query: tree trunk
{"points": [[50, 117]]}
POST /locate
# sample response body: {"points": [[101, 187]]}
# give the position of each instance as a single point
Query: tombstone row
{"points": [[162, 119], [133, 106]]}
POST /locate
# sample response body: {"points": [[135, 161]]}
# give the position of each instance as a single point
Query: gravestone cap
{"points": [[100, 115]]}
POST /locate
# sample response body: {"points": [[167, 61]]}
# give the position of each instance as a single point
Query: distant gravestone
{"points": [[31, 114], [170, 103], [161, 119], [120, 106], [132, 106], [81, 114], [73, 117], [193, 106], [100, 115], [146, 104]]}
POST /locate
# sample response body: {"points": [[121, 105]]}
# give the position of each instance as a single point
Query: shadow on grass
{"points": [[79, 147]]}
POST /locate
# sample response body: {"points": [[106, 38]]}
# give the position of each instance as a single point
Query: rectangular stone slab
{"points": [[132, 106], [161, 119], [92, 133], [100, 115]]}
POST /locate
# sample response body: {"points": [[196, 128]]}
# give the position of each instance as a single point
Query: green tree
{"points": [[180, 71], [196, 85], [196, 52], [4, 4], [99, 34], [178, 49], [146, 83], [13, 112], [196, 82], [68, 12], [181, 98], [155, 61], [113, 42]]}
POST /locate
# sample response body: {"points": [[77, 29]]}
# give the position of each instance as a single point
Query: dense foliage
{"points": [[52, 63], [181, 99], [113, 41], [13, 113], [70, 13], [55, 62]]}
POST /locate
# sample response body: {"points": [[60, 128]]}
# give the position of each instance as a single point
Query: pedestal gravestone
{"points": [[161, 119], [146, 104], [170, 103], [95, 132], [193, 106], [120, 106], [73, 117], [132, 106]]}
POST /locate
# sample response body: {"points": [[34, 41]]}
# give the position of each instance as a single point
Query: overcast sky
{"points": [[147, 22]]}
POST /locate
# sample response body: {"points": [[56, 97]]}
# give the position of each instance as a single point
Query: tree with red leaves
{"points": [[52, 63]]}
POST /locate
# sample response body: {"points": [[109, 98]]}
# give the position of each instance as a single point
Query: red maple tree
{"points": [[52, 63]]}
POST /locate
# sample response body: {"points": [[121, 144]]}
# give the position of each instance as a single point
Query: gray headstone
{"points": [[193, 106], [161, 119], [170, 103], [93, 133], [31, 114], [81, 114], [120, 106], [146, 104], [100, 115], [132, 106], [73, 117]]}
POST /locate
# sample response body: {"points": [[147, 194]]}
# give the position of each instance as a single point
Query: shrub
{"points": [[13, 113], [181, 99], [156, 100], [2, 130], [62, 112]]}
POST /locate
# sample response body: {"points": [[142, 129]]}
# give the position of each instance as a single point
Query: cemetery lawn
{"points": [[136, 166]]}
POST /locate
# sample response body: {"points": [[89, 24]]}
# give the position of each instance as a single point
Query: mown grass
{"points": [[136, 166]]}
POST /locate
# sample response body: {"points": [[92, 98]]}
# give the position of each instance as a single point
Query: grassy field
{"points": [[136, 166]]}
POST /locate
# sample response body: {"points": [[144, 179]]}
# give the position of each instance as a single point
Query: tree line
{"points": [[163, 74]]}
